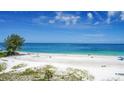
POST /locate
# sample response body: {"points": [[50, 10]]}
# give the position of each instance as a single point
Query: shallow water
{"points": [[73, 48]]}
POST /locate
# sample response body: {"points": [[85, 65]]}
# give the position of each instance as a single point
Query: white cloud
{"points": [[110, 14], [90, 15], [66, 18], [119, 16], [60, 17]]}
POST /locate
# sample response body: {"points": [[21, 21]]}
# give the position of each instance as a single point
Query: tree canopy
{"points": [[13, 43]]}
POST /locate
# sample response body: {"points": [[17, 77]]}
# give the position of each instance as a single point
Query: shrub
{"points": [[19, 66], [47, 72], [2, 54], [28, 71], [73, 75], [3, 66], [77, 74]]}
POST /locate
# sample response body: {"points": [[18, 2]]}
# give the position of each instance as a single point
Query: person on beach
{"points": [[50, 57]]}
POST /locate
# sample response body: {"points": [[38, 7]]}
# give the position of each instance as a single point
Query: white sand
{"points": [[101, 67]]}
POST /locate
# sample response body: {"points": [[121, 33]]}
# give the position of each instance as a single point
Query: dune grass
{"points": [[46, 73], [3, 66], [19, 66]]}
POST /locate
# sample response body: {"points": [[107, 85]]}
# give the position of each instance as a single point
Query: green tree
{"points": [[13, 43]]}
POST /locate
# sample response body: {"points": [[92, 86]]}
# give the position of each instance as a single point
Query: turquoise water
{"points": [[69, 48], [97, 49]]}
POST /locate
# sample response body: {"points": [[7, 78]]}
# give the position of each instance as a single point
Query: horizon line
{"points": [[66, 43]]}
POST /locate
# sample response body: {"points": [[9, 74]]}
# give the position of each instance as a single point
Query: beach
{"points": [[103, 68]]}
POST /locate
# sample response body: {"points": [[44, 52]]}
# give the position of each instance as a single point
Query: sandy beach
{"points": [[101, 67]]}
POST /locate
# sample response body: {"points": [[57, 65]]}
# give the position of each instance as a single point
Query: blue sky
{"points": [[64, 27]]}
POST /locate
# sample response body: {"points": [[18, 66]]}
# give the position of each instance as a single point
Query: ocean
{"points": [[73, 48]]}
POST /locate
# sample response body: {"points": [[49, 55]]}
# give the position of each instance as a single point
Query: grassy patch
{"points": [[47, 72], [28, 71], [3, 66], [72, 74], [19, 66]]}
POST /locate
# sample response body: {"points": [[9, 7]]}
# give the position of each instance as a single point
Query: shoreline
{"points": [[81, 54]]}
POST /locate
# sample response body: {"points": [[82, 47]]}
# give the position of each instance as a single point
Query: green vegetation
{"points": [[76, 74], [13, 43], [72, 74], [46, 73], [3, 66], [19, 66], [2, 54], [28, 71]]}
